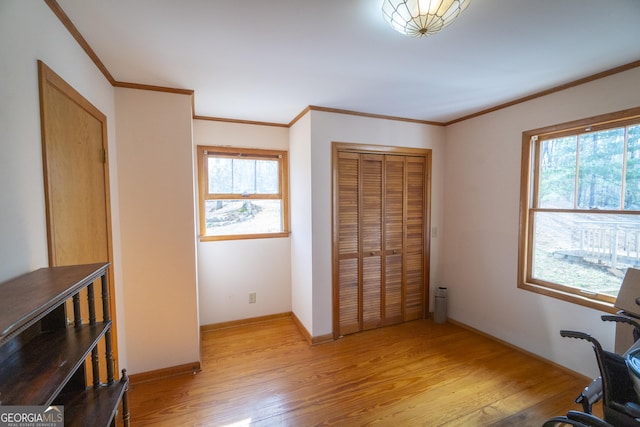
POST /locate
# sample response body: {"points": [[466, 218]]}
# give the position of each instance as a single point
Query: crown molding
{"points": [[245, 122], [554, 89]]}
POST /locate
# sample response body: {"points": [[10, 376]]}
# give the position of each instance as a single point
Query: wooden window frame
{"points": [[528, 195], [246, 153]]}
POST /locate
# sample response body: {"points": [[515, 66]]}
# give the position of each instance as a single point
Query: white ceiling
{"points": [[266, 60]]}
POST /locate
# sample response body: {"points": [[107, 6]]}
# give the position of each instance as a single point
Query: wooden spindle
{"points": [[107, 318], [106, 315], [92, 304], [77, 315], [95, 367], [95, 356], [125, 400]]}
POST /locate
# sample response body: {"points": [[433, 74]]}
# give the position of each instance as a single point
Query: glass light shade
{"points": [[419, 18]]}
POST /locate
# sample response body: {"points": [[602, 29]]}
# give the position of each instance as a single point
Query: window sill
{"points": [[569, 297], [245, 237]]}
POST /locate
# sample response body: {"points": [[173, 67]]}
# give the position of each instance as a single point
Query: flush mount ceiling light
{"points": [[419, 18]]}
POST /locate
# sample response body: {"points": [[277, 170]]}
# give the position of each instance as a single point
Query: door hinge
{"points": [[104, 156]]}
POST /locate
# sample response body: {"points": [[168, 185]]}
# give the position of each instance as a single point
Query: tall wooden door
{"points": [[74, 141], [394, 208], [371, 245], [380, 257], [347, 254], [415, 235]]}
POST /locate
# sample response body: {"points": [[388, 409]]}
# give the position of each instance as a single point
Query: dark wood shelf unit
{"points": [[95, 406], [50, 370], [43, 354], [28, 298]]}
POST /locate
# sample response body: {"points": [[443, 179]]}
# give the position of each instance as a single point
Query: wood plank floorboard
{"points": [[414, 374]]}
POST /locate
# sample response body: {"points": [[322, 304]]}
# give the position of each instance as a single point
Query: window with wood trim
{"points": [[580, 208], [243, 193]]}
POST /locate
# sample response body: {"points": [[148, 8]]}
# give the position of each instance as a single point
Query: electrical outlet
{"points": [[252, 297]]}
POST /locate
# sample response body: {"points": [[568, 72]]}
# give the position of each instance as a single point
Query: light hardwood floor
{"points": [[414, 374]]}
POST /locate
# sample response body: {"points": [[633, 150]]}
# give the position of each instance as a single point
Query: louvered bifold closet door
{"points": [[414, 247], [380, 258], [348, 199], [394, 206], [371, 239]]}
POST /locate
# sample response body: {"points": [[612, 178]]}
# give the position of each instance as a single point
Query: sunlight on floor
{"points": [[243, 423]]}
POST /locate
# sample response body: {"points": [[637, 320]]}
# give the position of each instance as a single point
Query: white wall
{"points": [[326, 128], [157, 212], [482, 184], [301, 221], [229, 270], [30, 31]]}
